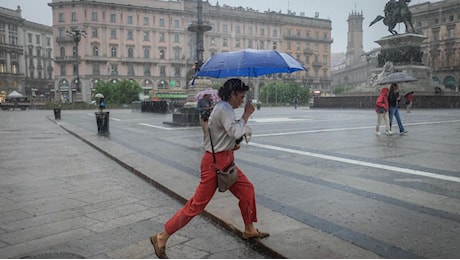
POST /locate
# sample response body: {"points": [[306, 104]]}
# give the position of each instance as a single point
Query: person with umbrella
{"points": [[409, 101], [393, 102], [204, 107], [225, 129]]}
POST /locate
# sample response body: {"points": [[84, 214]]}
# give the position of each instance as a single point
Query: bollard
{"points": [[102, 120], [57, 114]]}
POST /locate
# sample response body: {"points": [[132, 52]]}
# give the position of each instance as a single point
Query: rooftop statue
{"points": [[396, 12]]}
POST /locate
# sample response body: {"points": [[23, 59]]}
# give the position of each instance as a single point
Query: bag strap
{"points": [[212, 148]]}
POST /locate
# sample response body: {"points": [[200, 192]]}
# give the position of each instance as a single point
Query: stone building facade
{"points": [[26, 56], [148, 41], [440, 23]]}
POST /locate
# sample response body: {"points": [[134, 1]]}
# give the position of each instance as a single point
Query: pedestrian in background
{"points": [[101, 104], [225, 129], [393, 102], [381, 107], [409, 101], [204, 107]]}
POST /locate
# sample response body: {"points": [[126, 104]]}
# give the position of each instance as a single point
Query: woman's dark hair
{"points": [[231, 85]]}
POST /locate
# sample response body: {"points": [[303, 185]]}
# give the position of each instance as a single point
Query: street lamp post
{"points": [[76, 35]]}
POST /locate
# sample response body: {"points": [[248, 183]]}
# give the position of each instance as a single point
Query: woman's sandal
{"points": [[256, 235], [159, 251]]}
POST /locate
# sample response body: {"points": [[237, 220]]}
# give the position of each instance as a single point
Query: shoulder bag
{"points": [[225, 178]]}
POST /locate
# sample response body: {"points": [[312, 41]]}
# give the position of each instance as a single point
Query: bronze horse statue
{"points": [[396, 12]]}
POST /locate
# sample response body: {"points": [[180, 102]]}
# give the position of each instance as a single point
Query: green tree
{"points": [[279, 93], [120, 92]]}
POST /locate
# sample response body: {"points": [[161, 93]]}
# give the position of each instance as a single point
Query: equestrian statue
{"points": [[396, 12]]}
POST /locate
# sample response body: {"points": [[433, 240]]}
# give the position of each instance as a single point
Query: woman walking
{"points": [[393, 102], [381, 107], [225, 130]]}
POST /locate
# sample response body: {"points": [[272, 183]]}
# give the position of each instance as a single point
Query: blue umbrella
{"points": [[249, 63]]}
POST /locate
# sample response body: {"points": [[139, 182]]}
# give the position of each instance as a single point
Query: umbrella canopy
{"points": [[249, 63], [99, 95], [15, 94], [397, 77], [213, 92], [410, 92]]}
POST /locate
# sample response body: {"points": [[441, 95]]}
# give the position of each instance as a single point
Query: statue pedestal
{"points": [[404, 51], [188, 115]]}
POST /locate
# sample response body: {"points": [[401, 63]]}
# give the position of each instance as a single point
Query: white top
{"points": [[225, 128]]}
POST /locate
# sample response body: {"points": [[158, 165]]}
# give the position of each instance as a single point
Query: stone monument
{"points": [[404, 51]]}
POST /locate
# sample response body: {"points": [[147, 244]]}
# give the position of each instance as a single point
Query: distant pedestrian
{"points": [[101, 105], [296, 101], [409, 101], [393, 102], [204, 107], [381, 107], [226, 129]]}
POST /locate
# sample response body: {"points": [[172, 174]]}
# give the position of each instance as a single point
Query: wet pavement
{"points": [[61, 198], [326, 186]]}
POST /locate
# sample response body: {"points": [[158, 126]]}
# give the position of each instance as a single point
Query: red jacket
{"points": [[382, 100]]}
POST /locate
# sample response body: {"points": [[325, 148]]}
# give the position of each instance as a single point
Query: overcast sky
{"points": [[336, 10]]}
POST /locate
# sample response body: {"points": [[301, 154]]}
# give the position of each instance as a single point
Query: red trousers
{"points": [[242, 189]]}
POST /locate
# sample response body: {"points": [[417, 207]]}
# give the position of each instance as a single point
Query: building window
{"points": [[63, 70], [212, 41], [225, 28], [113, 34], [237, 43], [163, 74], [130, 52], [96, 71], [146, 53], [14, 68], [451, 33], [146, 36], [61, 17], [62, 52], [147, 70], [176, 24], [238, 29], [94, 33], [31, 51], [162, 54], [94, 16], [29, 37], [74, 16], [130, 19], [162, 37], [176, 38], [95, 51], [113, 18], [250, 30], [113, 52], [162, 22], [275, 33], [130, 35], [262, 32], [176, 54], [250, 44], [225, 42], [177, 72], [48, 41], [38, 39], [39, 52], [146, 20]]}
